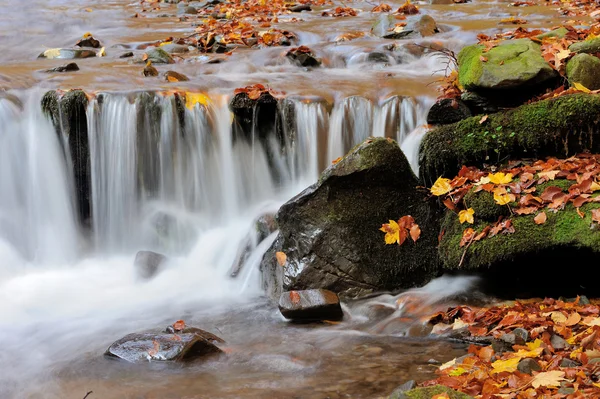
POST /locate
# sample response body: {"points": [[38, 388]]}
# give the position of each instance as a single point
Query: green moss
{"points": [[429, 392], [470, 71], [558, 33], [586, 46], [562, 126], [585, 70], [484, 206], [50, 107]]}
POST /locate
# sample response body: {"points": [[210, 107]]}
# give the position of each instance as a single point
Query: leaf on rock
{"points": [[551, 378], [468, 236], [441, 186], [179, 325], [392, 232], [581, 87], [281, 258], [502, 199], [294, 297], [415, 232], [445, 395], [466, 216]]}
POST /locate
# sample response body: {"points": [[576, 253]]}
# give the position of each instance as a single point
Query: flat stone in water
{"points": [[67, 53], [136, 348], [64, 68], [306, 305]]}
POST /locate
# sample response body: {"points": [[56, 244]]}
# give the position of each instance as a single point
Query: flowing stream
{"points": [[181, 183]]}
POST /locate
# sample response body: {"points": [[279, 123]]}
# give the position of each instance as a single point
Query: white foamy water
{"points": [[189, 191]]}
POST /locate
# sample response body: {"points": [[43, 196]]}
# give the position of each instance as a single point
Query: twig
{"points": [[462, 258], [88, 394]]}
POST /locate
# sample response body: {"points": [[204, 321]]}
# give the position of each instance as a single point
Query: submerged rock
{"points": [[585, 70], [513, 64], [446, 111], [70, 67], [310, 305], [67, 53], [183, 346], [159, 56], [330, 231], [148, 264]]}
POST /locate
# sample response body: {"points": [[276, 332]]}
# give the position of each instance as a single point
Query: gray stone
{"points": [[159, 56], [521, 336], [501, 346], [88, 42], [265, 225], [67, 54], [378, 57], [309, 305], [566, 391], [584, 69], [528, 365], [326, 231], [172, 76], [557, 342], [416, 27], [512, 64], [447, 110], [148, 264], [478, 104], [173, 48], [300, 8], [144, 347], [399, 392], [569, 363], [126, 54]]}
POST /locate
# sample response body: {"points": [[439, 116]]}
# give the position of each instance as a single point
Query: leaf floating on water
{"points": [[281, 258]]}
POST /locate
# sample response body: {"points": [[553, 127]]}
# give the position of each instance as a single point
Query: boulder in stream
{"points": [[330, 232], [310, 305], [148, 264], [585, 70], [181, 346], [67, 53]]}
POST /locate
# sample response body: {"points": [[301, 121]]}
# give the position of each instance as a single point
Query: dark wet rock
{"points": [[447, 110], [376, 57], [148, 264], [399, 392], [585, 70], [429, 392], [70, 67], [173, 48], [190, 10], [558, 342], [569, 363], [88, 41], [501, 345], [521, 336], [67, 112], [310, 305], [562, 127], [304, 58], [265, 225], [67, 53], [528, 366], [586, 46], [127, 54], [514, 64], [145, 347], [149, 70], [172, 76], [478, 104], [159, 56], [326, 231], [300, 8], [419, 26]]}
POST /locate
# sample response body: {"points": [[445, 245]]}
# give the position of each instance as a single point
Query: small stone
{"points": [[173, 48], [67, 53], [172, 76], [399, 392], [150, 71], [566, 391], [148, 264], [159, 56], [500, 346], [585, 70], [88, 41], [70, 67], [521, 336], [446, 111], [307, 305], [569, 363], [528, 365], [478, 104], [190, 10], [378, 57], [300, 8], [126, 55], [557, 342], [583, 300], [594, 360]]}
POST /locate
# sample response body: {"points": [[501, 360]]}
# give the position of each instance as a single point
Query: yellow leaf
{"points": [[449, 364], [87, 35], [535, 344], [191, 99], [483, 180], [441, 186], [500, 178], [509, 365], [101, 53], [558, 317], [548, 379], [457, 372], [581, 87], [281, 258], [502, 199], [595, 186], [165, 43], [52, 53], [458, 324], [466, 216], [522, 353], [392, 232]]}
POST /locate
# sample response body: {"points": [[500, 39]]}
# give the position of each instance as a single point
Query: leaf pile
{"points": [[255, 91], [398, 232], [341, 12], [517, 187], [556, 354]]}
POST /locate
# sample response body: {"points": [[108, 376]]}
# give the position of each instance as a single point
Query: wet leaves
{"points": [[466, 215], [398, 232], [441, 186]]}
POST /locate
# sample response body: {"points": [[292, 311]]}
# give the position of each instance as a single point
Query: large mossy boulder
{"points": [[514, 64], [590, 46], [330, 231], [584, 69], [562, 126], [429, 392]]}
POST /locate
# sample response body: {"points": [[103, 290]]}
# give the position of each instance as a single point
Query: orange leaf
{"points": [[294, 297], [281, 258], [415, 232], [540, 218], [179, 325]]}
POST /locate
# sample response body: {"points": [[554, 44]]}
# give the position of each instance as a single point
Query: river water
{"points": [[67, 292]]}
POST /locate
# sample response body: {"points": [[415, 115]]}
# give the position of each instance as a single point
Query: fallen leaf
{"points": [[502, 199], [501, 178], [540, 218], [483, 119], [281, 258], [338, 159], [581, 87], [445, 395], [466, 216], [551, 378], [508, 365], [415, 232], [179, 325], [441, 186], [294, 297], [392, 232]]}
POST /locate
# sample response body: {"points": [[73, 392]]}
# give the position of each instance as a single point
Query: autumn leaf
{"points": [[179, 325], [551, 378], [500, 178], [155, 348], [392, 232], [540, 218], [281, 258], [335, 161], [550, 174], [483, 119], [415, 232], [508, 365], [445, 395], [466, 216], [502, 199], [596, 215], [441, 186], [294, 297]]}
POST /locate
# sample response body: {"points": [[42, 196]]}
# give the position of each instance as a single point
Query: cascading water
{"points": [[163, 177]]}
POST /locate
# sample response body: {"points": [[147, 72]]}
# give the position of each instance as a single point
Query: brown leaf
{"points": [[550, 192], [581, 214], [596, 215], [540, 218], [179, 325], [294, 297], [415, 232], [468, 236], [483, 118]]}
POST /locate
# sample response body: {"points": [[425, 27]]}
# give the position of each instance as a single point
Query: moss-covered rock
{"points": [[586, 46], [584, 69], [512, 64], [429, 392], [330, 231], [557, 33], [559, 127], [157, 56]]}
